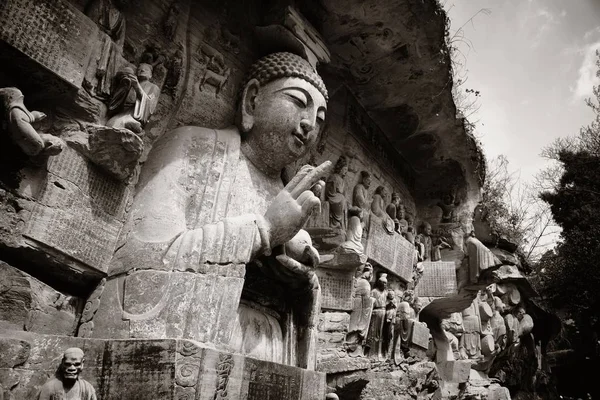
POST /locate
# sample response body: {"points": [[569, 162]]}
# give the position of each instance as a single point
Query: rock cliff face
{"points": [[156, 250]]}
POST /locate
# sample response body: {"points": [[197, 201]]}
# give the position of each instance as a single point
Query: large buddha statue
{"points": [[211, 201]]}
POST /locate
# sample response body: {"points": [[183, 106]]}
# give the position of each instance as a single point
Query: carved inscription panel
{"points": [[381, 247], [392, 252], [268, 383], [52, 32], [337, 289], [438, 280], [403, 265], [80, 211]]}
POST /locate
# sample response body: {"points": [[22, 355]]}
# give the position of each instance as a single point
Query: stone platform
{"points": [[151, 369]]}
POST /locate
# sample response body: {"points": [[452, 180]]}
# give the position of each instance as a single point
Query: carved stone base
{"points": [[151, 369]]}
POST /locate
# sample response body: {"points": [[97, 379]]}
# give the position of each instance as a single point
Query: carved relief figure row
{"points": [[381, 326]]}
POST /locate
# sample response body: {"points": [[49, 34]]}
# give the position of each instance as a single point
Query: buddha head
{"points": [[281, 111], [367, 271], [72, 364]]}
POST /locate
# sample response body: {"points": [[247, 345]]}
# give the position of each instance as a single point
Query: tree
{"points": [[572, 280], [515, 211]]}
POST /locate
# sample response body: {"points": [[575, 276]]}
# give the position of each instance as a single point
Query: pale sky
{"points": [[534, 63]]}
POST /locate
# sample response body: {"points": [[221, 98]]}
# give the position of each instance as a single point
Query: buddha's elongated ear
{"points": [[248, 104]]}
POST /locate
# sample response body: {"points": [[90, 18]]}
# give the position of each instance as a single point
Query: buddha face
{"points": [[283, 119], [367, 181], [72, 365]]}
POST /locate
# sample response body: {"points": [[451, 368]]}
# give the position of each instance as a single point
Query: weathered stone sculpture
{"points": [[375, 335], [67, 384], [448, 205], [396, 212], [107, 14], [361, 313], [17, 119], [134, 100], [425, 241], [470, 341], [209, 202], [334, 194], [110, 19], [378, 203], [437, 245], [354, 232], [389, 324], [360, 196], [479, 257]]}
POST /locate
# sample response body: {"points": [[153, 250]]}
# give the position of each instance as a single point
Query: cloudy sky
{"points": [[533, 62]]}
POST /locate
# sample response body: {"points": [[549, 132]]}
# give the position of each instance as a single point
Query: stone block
{"points": [[154, 369], [392, 252], [497, 392], [53, 33], [335, 364], [79, 212], [28, 304], [333, 322], [438, 280], [454, 371], [337, 288]]}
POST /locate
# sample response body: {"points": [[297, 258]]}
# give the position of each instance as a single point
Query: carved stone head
{"points": [[341, 166], [365, 178], [282, 109], [10, 96], [144, 71], [72, 363]]}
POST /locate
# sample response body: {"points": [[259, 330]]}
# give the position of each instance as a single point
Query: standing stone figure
{"points": [[17, 119], [110, 19], [334, 194], [67, 384], [375, 335], [388, 325], [470, 341], [426, 241], [208, 202], [361, 313], [134, 99]]}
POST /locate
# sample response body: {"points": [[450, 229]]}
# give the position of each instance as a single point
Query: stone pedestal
{"points": [[151, 369]]}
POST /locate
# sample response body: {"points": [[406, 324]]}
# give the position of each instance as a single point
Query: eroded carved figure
{"points": [[210, 201], [361, 313], [375, 335], [67, 384], [334, 194], [18, 120], [134, 99], [354, 232], [448, 206], [107, 14], [360, 195]]}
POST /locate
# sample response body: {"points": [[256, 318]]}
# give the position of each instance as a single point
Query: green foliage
{"points": [[570, 276]]}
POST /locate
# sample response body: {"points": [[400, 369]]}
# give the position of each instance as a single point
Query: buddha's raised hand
{"points": [[292, 207]]}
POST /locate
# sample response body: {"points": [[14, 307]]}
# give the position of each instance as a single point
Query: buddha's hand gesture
{"points": [[292, 207]]}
